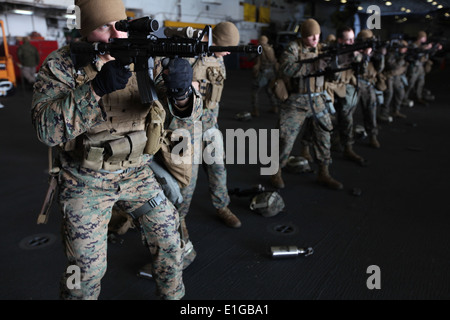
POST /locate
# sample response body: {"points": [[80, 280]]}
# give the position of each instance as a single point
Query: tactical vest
{"points": [[119, 142], [267, 57], [211, 75], [370, 74], [299, 85]]}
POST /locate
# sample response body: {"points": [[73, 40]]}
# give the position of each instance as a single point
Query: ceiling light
{"points": [[440, 6], [388, 3], [343, 1], [434, 3], [402, 9], [360, 8], [408, 11], [26, 12]]}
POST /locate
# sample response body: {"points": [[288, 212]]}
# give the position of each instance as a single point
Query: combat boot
{"points": [[423, 103], [324, 178], [349, 154], [398, 114], [385, 118], [306, 154], [373, 142], [276, 180], [228, 218], [255, 112]]}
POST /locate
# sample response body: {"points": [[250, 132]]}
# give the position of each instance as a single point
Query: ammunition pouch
{"points": [[213, 88], [178, 164], [278, 86], [110, 152], [155, 128], [428, 66]]}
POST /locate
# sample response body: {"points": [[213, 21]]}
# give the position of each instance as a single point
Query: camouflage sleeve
{"points": [[290, 65], [61, 109]]}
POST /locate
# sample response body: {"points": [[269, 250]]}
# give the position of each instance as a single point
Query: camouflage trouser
{"points": [[293, 115], [216, 173], [86, 199], [217, 181], [367, 100], [394, 94], [262, 81], [345, 108], [416, 80]]}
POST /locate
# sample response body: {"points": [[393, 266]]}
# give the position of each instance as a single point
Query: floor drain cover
{"points": [[285, 229], [37, 241]]}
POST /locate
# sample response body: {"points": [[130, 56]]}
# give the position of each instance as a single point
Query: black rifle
{"points": [[415, 54], [338, 49], [142, 46], [251, 192]]}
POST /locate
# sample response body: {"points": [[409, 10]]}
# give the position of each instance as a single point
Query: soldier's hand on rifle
{"points": [[322, 64], [113, 76], [177, 77]]}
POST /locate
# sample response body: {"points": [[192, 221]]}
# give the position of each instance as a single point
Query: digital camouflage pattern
{"points": [[396, 67], [296, 110], [264, 71], [345, 108], [216, 173], [367, 99], [87, 197], [64, 108]]}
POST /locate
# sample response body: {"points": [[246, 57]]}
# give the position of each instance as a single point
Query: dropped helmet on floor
{"points": [[297, 164], [267, 204]]}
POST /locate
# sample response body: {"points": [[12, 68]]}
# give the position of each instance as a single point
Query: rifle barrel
{"points": [[237, 49]]}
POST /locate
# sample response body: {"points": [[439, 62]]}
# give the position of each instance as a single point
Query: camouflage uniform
{"points": [[296, 109], [395, 93], [66, 113], [367, 98], [217, 174], [416, 74], [345, 102], [264, 72]]}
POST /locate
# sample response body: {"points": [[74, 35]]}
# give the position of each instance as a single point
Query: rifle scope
{"points": [[144, 25]]}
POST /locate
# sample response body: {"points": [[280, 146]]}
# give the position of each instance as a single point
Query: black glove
{"points": [[178, 79], [113, 76]]}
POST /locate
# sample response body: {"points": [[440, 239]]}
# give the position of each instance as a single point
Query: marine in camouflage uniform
{"points": [[210, 74], [264, 72], [187, 118], [395, 70], [91, 114], [420, 64], [367, 78], [296, 110], [345, 102]]}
